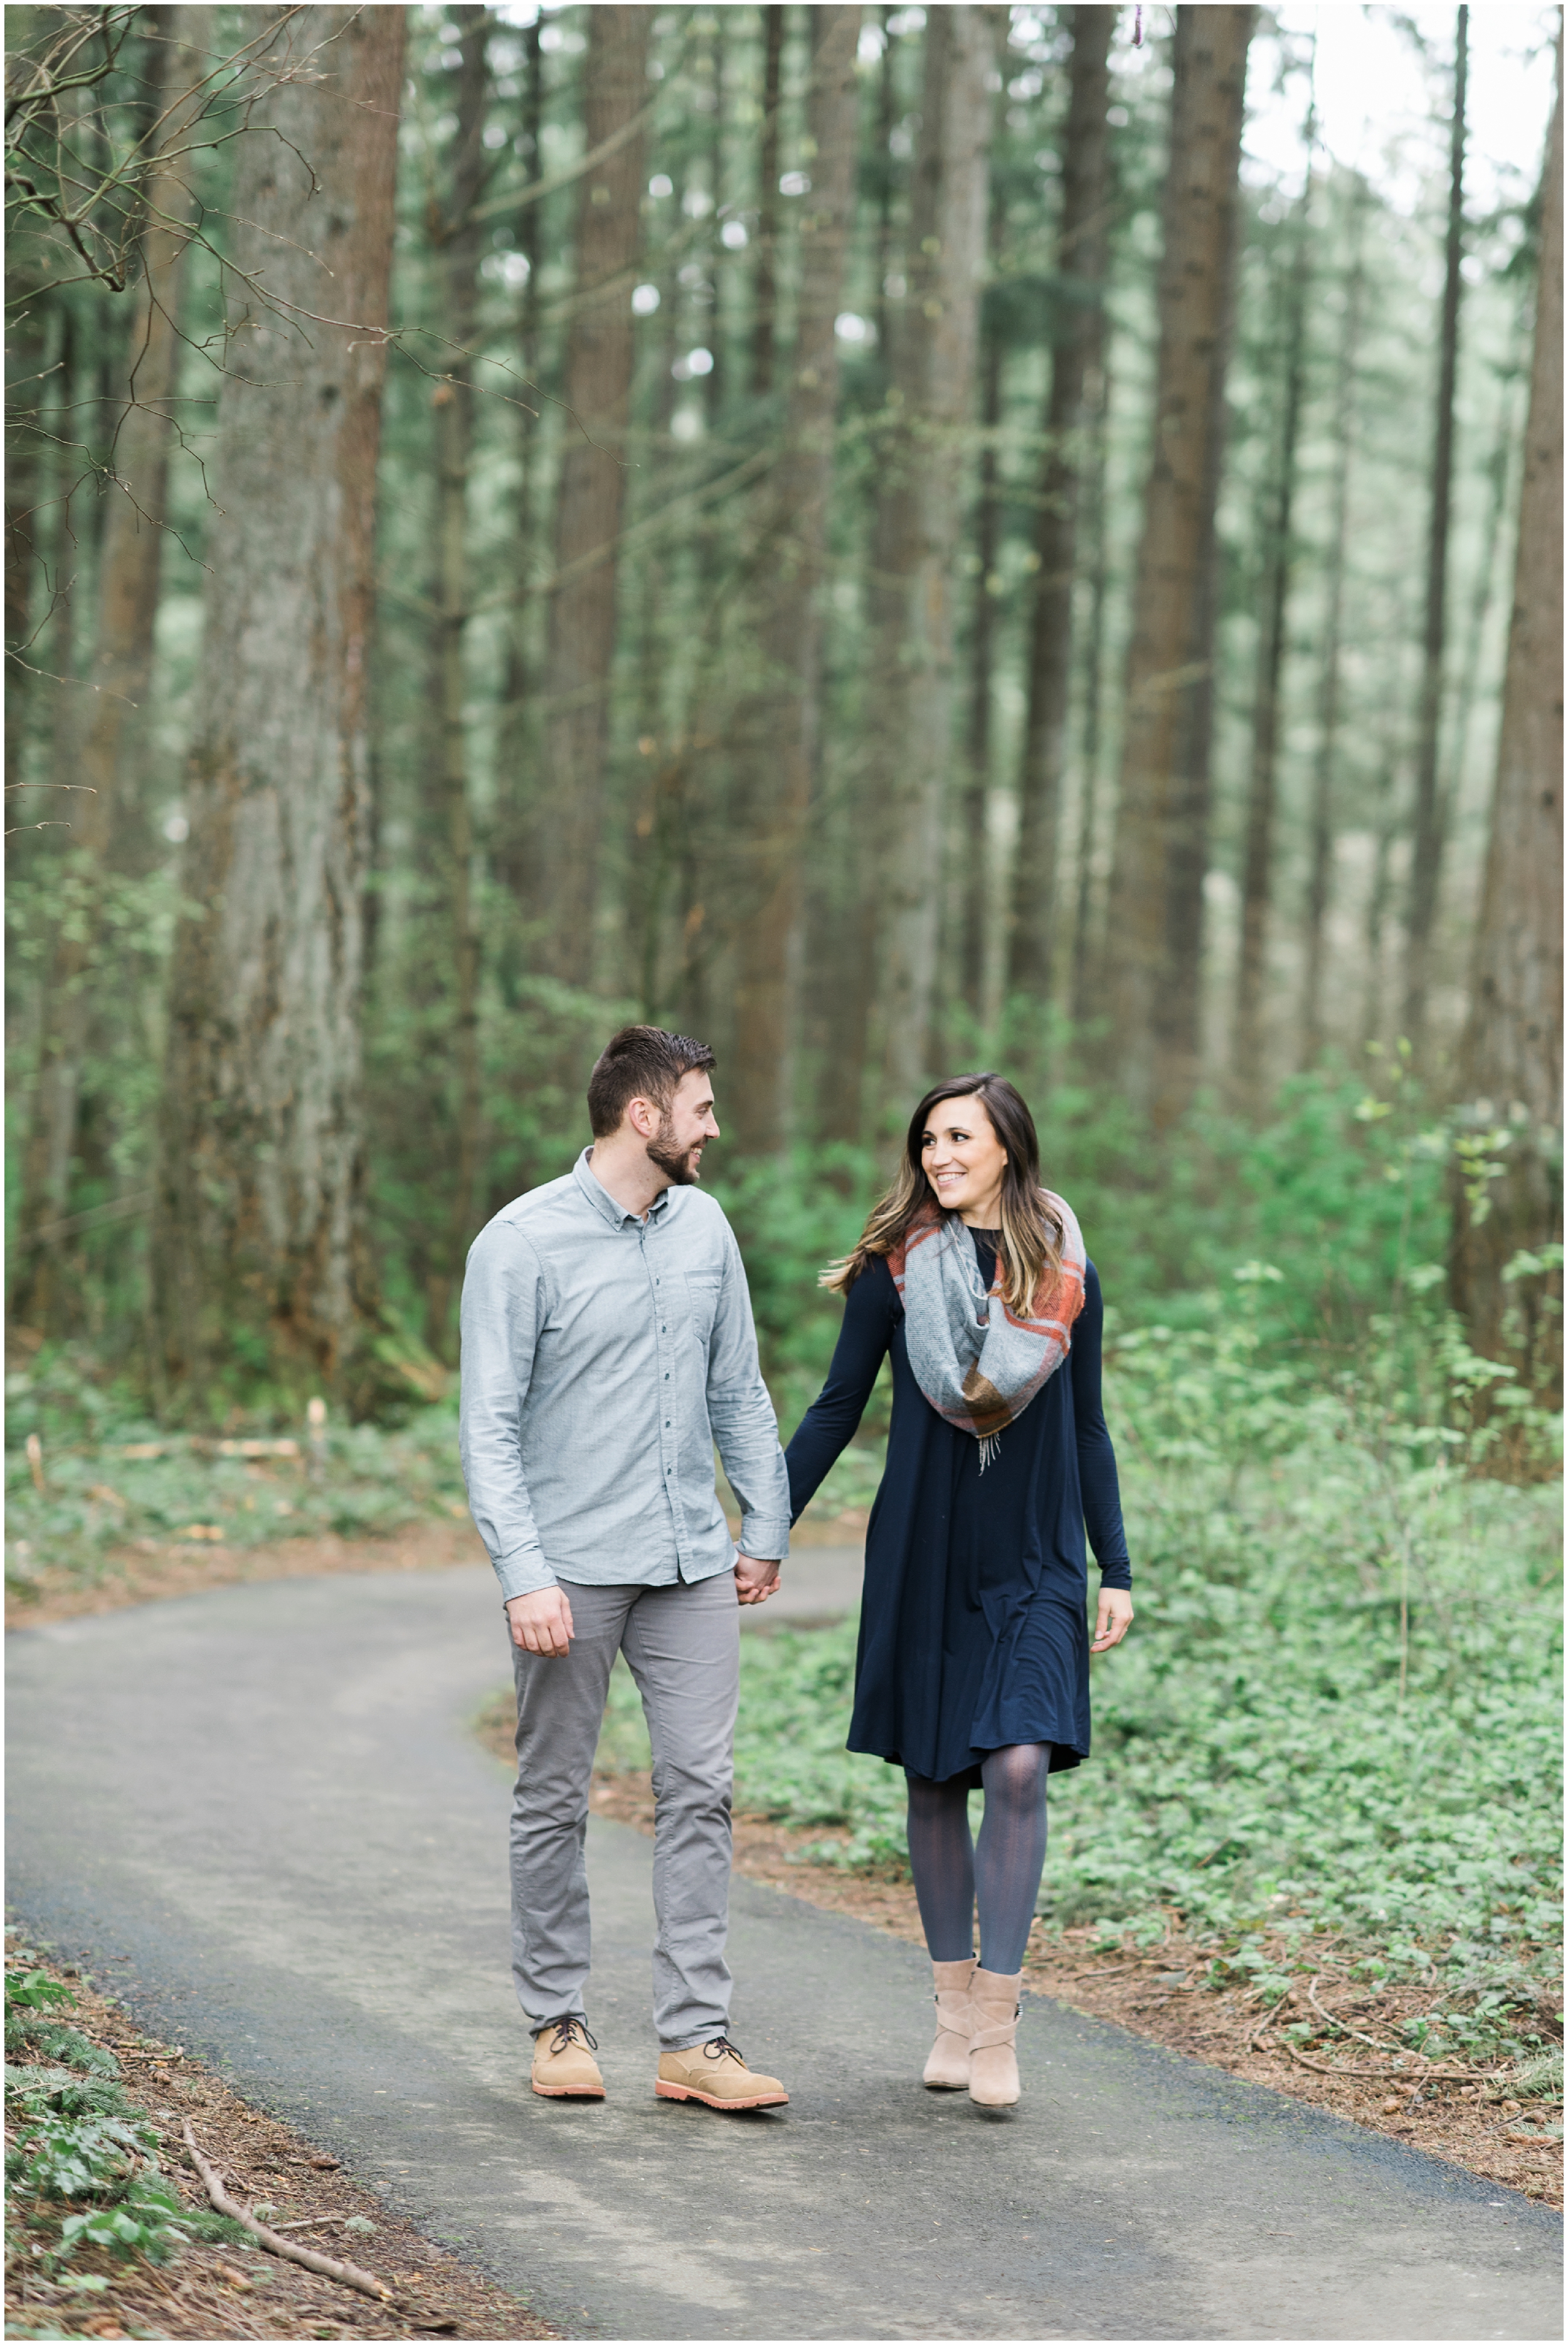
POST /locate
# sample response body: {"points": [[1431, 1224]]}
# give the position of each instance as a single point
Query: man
{"points": [[607, 1344]]}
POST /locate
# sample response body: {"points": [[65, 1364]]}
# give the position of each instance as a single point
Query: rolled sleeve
{"points": [[502, 1309], [745, 1428]]}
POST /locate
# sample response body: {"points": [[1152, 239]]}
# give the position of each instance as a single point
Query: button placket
{"points": [[667, 1443]]}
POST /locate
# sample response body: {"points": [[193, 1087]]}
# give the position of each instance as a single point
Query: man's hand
{"points": [[1113, 1619], [756, 1579], [541, 1623]]}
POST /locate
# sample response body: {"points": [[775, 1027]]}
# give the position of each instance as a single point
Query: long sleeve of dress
{"points": [[829, 1424], [1098, 1481]]}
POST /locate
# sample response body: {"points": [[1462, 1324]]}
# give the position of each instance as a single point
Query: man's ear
{"points": [[644, 1118]]}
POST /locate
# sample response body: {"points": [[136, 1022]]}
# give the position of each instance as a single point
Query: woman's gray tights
{"points": [[1001, 1875]]}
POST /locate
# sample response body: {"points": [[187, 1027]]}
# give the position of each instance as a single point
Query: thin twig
{"points": [[347, 2275], [1343, 2025]]}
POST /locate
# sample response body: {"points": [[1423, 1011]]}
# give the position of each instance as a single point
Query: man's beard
{"points": [[676, 1161]]}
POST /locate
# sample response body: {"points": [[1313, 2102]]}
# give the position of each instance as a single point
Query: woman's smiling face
{"points": [[964, 1161]]}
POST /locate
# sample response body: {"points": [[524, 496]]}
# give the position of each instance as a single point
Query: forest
{"points": [[893, 540]]}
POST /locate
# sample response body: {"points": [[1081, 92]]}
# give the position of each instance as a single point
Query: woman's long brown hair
{"points": [[1029, 1255]]}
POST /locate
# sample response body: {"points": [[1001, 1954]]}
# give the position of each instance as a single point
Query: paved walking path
{"points": [[260, 1813]]}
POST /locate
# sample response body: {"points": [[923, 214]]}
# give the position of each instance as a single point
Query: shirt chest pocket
{"points": [[703, 1303]]}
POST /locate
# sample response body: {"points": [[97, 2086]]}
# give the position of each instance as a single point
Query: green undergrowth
{"points": [[82, 2169], [102, 1476]]}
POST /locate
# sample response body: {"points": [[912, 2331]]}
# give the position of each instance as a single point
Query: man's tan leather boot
{"points": [[717, 2073], [993, 2060], [564, 2068], [948, 2069]]}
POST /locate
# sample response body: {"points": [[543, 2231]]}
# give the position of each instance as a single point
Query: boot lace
{"points": [[721, 2048], [565, 2029]]}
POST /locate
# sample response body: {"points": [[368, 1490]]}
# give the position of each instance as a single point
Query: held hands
{"points": [[756, 1579], [541, 1623], [1113, 1619]]}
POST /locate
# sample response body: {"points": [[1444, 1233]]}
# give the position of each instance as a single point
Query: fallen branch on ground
{"points": [[1400, 2075], [347, 2275]]}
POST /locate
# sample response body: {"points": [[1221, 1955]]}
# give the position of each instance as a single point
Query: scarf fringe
{"points": [[990, 1449]]}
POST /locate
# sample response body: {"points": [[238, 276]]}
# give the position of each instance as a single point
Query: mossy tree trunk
{"points": [[259, 1251], [1509, 1295]]}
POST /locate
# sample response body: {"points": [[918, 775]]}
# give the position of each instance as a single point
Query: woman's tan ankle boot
{"points": [[992, 2061], [948, 2069]]}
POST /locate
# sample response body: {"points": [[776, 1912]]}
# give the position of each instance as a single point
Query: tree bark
{"points": [[591, 495], [782, 744], [1160, 856], [1511, 1057], [921, 520], [848, 917], [764, 278], [1077, 360], [1426, 857], [459, 242], [1258, 855], [1320, 850], [98, 725], [258, 1251], [1098, 398], [25, 343], [977, 774]]}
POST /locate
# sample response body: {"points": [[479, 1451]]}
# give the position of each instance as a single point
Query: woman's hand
{"points": [[1113, 1619]]}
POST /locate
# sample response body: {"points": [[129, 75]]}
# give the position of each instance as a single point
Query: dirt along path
{"points": [[231, 2287], [295, 1869]]}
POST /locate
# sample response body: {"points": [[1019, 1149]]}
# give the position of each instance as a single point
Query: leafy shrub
{"points": [[75, 2140]]}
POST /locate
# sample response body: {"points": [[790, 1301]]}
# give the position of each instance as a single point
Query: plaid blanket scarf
{"points": [[978, 1366]]}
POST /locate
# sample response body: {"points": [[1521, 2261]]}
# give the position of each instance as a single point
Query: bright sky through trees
{"points": [[1383, 110]]}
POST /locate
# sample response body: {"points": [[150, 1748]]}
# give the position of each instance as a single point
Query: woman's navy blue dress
{"points": [[973, 1628]]}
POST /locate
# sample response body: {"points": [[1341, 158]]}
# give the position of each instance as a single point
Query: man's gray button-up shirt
{"points": [[603, 1358]]}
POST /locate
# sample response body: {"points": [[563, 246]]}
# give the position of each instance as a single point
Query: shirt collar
{"points": [[607, 1207]]}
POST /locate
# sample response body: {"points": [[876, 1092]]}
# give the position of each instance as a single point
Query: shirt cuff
{"points": [[523, 1572], [765, 1536]]}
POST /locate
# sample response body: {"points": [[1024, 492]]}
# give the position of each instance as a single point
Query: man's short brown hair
{"points": [[641, 1062]]}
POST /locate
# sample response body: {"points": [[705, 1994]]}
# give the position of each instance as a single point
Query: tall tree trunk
{"points": [[1484, 584], [1320, 849], [1097, 405], [1160, 858], [257, 1249], [458, 243], [590, 494], [782, 746], [97, 726], [715, 338], [1278, 562], [1426, 857], [921, 520], [849, 913], [26, 345], [976, 775], [764, 276], [508, 845], [1077, 361], [1512, 1059], [886, 95]]}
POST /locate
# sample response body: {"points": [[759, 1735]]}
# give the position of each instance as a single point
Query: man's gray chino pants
{"points": [[682, 1645]]}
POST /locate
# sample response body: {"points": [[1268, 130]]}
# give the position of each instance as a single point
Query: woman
{"points": [[973, 1667]]}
